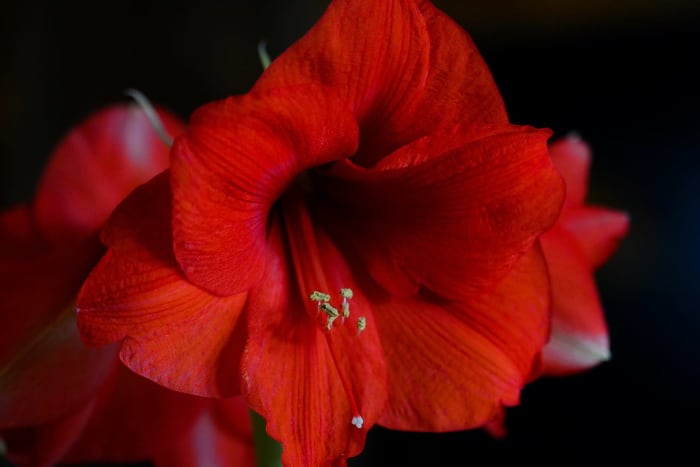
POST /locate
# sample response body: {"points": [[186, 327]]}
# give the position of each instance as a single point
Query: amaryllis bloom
{"points": [[583, 238], [351, 243], [60, 401]]}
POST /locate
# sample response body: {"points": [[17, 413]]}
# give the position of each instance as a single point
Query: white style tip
{"points": [[358, 421]]}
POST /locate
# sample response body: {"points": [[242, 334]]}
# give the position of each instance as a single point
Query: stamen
{"points": [[346, 294], [361, 324], [317, 296], [151, 115], [332, 313]]}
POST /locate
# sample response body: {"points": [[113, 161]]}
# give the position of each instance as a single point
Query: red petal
{"points": [[215, 438], [46, 445], [454, 367], [45, 371], [135, 419], [452, 212], [597, 231], [176, 334], [95, 166], [294, 371], [572, 157], [238, 157], [52, 375], [579, 334], [404, 68]]}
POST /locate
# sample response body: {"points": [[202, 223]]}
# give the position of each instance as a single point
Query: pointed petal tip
{"points": [[567, 354]]}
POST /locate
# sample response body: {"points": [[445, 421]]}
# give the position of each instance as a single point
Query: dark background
{"points": [[622, 75]]}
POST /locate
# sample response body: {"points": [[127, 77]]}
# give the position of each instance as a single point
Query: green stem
{"points": [[267, 450]]}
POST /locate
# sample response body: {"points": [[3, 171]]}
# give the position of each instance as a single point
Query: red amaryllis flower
{"points": [[583, 238], [372, 214], [58, 399]]}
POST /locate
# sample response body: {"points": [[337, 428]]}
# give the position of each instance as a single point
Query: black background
{"points": [[623, 76]]}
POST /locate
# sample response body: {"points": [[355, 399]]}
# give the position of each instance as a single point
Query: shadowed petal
{"points": [[452, 212], [237, 158]]}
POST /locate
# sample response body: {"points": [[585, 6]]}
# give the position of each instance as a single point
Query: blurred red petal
{"points": [[95, 166], [572, 157], [579, 333], [597, 230]]}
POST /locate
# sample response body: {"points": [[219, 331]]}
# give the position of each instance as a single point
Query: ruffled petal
{"points": [[176, 333], [579, 337], [96, 166], [403, 67], [237, 158], [304, 380], [452, 212], [597, 230], [454, 366]]}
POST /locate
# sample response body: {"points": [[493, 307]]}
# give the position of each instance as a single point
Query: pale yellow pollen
{"points": [[317, 296], [346, 293], [361, 324], [332, 313]]}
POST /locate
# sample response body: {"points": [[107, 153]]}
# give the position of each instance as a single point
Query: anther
{"points": [[361, 324], [317, 296], [332, 313]]}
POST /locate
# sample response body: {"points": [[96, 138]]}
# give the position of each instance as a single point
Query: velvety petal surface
{"points": [[452, 212], [454, 366], [237, 158], [404, 68], [96, 166], [303, 379], [174, 332], [579, 337]]}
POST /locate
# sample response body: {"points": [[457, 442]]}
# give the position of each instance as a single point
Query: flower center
{"points": [[315, 287]]}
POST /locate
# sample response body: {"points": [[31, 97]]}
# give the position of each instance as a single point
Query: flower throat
{"points": [[314, 286]]}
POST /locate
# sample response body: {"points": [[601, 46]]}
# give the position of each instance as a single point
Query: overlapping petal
{"points": [[453, 366], [452, 212], [404, 67], [138, 293], [237, 158]]}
